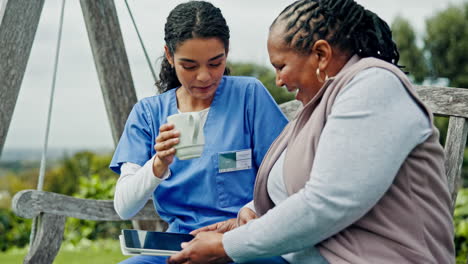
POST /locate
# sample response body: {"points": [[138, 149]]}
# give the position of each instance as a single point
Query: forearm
{"points": [[134, 187]]}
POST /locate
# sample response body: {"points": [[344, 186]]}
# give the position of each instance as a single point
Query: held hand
{"points": [[245, 215], [220, 227], [165, 151], [205, 248]]}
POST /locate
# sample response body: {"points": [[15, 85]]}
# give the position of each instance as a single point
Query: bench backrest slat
{"points": [[454, 149]]}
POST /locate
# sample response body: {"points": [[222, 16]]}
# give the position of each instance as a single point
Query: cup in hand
{"points": [[191, 140]]}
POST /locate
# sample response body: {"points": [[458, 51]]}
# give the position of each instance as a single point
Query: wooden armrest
{"points": [[30, 203]]}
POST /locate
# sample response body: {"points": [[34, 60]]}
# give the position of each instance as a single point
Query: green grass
{"points": [[102, 251]]}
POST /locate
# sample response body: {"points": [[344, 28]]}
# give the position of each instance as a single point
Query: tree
{"points": [[266, 76], [410, 55], [64, 178], [447, 43]]}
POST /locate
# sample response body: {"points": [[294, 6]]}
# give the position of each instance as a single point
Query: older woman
{"points": [[358, 176]]}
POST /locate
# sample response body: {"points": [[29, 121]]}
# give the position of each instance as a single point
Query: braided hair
{"points": [[343, 23], [193, 19]]}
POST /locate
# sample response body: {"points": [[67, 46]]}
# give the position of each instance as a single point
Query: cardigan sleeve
{"points": [[362, 146]]}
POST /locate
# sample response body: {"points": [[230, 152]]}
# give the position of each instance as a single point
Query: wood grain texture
{"points": [[112, 66], [18, 25], [30, 203], [445, 101], [48, 239], [111, 61], [454, 150]]}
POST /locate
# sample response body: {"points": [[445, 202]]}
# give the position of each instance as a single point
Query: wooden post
{"points": [[18, 24], [111, 61], [455, 145], [113, 69]]}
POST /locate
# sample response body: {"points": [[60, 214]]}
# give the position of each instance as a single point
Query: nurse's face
{"points": [[199, 64]]}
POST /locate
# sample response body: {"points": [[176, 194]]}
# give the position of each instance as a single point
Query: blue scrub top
{"points": [[242, 116]]}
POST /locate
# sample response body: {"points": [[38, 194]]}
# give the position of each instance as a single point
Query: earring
{"points": [[320, 77]]}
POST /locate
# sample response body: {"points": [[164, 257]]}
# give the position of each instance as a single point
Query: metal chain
{"points": [[141, 41]]}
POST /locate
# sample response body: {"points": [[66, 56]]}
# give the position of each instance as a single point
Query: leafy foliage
{"points": [[65, 178], [461, 225], [266, 76], [447, 42], [14, 230], [83, 175], [99, 188], [410, 55], [13, 182]]}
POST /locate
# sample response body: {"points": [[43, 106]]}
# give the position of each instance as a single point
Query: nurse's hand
{"points": [[220, 227], [245, 215], [167, 138], [206, 247]]}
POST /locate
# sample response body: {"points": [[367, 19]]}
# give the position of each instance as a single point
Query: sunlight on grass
{"points": [[102, 251]]}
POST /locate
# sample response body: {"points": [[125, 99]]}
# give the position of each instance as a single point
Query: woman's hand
{"points": [[165, 151], [245, 215], [220, 227], [205, 248]]}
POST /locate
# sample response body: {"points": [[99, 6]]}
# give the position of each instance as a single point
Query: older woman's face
{"points": [[294, 70]]}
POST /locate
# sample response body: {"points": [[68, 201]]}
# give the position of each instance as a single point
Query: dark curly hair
{"points": [[343, 23], [193, 19]]}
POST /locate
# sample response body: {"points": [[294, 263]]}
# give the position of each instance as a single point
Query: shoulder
{"points": [[380, 90], [377, 73], [153, 108], [155, 101], [374, 80], [372, 88]]}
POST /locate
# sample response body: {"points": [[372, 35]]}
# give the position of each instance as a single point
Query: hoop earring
{"points": [[319, 78]]}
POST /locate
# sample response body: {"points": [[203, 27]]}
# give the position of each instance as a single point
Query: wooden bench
{"points": [[54, 208]]}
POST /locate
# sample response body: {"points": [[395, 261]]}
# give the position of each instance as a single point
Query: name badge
{"points": [[235, 160]]}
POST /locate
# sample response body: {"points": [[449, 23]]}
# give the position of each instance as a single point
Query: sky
{"points": [[79, 120]]}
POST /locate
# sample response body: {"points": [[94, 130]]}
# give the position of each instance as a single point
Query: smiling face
{"points": [[199, 64], [294, 70]]}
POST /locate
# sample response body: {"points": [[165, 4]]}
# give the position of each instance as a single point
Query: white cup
{"points": [[191, 138]]}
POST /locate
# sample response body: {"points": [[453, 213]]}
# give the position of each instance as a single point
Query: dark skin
{"points": [[245, 215], [295, 71], [206, 235]]}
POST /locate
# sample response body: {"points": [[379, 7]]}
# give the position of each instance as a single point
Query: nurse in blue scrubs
{"points": [[240, 121]]}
